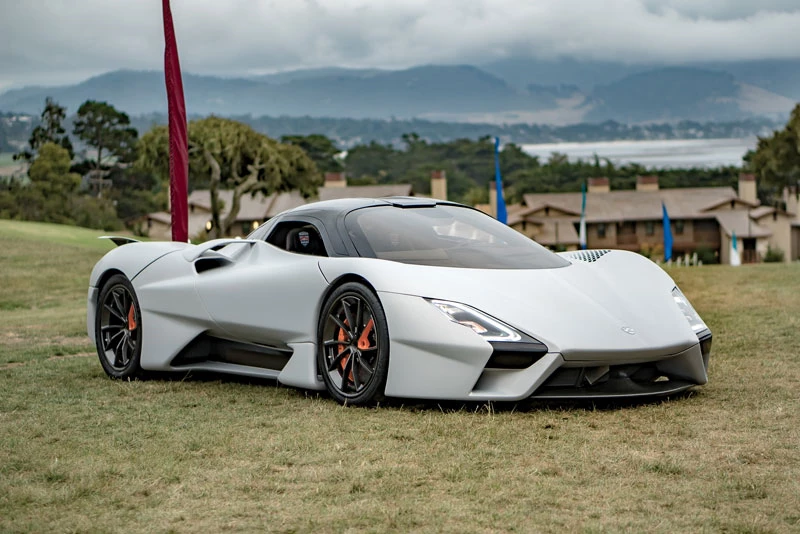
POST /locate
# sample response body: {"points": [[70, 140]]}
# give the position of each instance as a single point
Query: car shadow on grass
{"points": [[423, 405]]}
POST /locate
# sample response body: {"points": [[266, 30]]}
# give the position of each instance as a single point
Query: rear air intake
{"points": [[587, 255]]}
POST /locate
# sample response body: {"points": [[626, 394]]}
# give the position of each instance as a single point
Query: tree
{"points": [[49, 131], [105, 129], [776, 160], [51, 187], [319, 148], [226, 154], [136, 193]]}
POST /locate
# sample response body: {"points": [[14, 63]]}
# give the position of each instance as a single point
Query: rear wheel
{"points": [[118, 328], [353, 353]]}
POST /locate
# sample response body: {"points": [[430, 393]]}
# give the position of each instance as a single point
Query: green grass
{"points": [[79, 452]]}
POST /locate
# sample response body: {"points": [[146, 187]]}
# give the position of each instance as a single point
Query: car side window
{"points": [[299, 237]]}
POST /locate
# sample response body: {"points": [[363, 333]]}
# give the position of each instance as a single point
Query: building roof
{"points": [[761, 211], [197, 221], [252, 207], [739, 221], [681, 203], [365, 191], [285, 201], [160, 216]]}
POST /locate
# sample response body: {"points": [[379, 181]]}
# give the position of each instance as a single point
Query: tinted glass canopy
{"points": [[444, 235]]}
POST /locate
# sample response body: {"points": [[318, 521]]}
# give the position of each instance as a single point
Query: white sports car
{"points": [[403, 297]]}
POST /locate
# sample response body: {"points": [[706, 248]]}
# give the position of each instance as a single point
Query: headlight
{"points": [[487, 327], [691, 315]]}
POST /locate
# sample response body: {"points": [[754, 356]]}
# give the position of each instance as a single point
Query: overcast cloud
{"points": [[61, 41]]}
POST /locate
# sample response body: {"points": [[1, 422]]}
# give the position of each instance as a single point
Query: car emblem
{"points": [[304, 238], [628, 330]]}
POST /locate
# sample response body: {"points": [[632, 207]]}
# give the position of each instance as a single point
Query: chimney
{"points": [[335, 179], [647, 183], [790, 199], [599, 185], [439, 185], [747, 188]]}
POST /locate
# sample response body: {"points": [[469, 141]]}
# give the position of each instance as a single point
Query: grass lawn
{"points": [[79, 452]]}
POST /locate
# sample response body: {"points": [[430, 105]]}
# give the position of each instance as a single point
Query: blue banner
{"points": [[502, 216], [667, 234]]}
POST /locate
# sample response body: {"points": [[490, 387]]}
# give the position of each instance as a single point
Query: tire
{"points": [[353, 362], [118, 329]]}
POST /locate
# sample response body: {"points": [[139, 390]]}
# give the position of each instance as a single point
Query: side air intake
{"points": [[587, 255]]}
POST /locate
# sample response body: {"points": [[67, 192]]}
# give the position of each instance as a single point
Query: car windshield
{"points": [[448, 236]]}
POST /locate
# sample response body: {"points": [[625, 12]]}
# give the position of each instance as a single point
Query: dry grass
{"points": [[79, 452]]}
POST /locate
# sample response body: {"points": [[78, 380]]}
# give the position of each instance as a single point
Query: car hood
{"points": [[618, 306]]}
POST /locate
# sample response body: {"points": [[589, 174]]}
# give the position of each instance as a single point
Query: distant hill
{"points": [[521, 72], [780, 76], [512, 91], [667, 94], [382, 94], [310, 74], [676, 93]]}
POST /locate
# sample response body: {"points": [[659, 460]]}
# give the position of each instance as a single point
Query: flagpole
{"points": [[178, 136]]}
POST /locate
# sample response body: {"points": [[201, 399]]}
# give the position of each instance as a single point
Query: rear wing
{"points": [[119, 240]]}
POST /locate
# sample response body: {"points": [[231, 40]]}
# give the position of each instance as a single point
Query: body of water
{"points": [[674, 153]]}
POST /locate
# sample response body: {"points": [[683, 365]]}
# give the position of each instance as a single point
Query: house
{"points": [[702, 219], [336, 187], [256, 209]]}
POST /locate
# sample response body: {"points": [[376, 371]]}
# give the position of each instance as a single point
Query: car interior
{"points": [[298, 237]]}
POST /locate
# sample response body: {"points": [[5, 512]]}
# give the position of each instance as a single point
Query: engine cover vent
{"points": [[587, 255]]}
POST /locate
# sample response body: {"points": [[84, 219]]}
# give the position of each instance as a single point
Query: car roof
{"points": [[350, 204], [330, 213]]}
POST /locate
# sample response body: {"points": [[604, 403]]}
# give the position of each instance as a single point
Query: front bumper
{"points": [[433, 358], [662, 377], [552, 377]]}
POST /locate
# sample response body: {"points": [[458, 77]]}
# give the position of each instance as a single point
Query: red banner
{"points": [[178, 139]]}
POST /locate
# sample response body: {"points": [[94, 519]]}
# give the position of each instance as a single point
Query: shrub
{"points": [[706, 255], [91, 212], [773, 255]]}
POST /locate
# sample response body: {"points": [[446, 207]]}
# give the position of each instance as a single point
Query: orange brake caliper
{"points": [[131, 319], [363, 341], [343, 338]]}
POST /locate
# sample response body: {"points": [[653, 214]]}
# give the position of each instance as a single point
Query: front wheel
{"points": [[118, 328], [353, 353]]}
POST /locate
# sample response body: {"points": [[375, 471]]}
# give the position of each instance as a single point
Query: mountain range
{"points": [[507, 91]]}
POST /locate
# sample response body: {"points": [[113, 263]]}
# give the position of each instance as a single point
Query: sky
{"points": [[53, 42]]}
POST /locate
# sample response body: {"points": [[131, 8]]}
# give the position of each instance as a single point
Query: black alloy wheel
{"points": [[118, 328], [353, 353]]}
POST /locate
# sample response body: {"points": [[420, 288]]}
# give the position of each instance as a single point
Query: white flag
{"points": [[736, 259]]}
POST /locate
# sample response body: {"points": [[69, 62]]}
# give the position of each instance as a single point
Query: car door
{"points": [[265, 293]]}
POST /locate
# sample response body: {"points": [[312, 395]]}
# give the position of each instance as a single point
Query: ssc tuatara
{"points": [[400, 297]]}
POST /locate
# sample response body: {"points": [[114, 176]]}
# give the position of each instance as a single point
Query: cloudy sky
{"points": [[64, 41]]}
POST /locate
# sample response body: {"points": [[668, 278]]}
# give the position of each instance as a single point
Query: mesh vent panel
{"points": [[588, 255]]}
